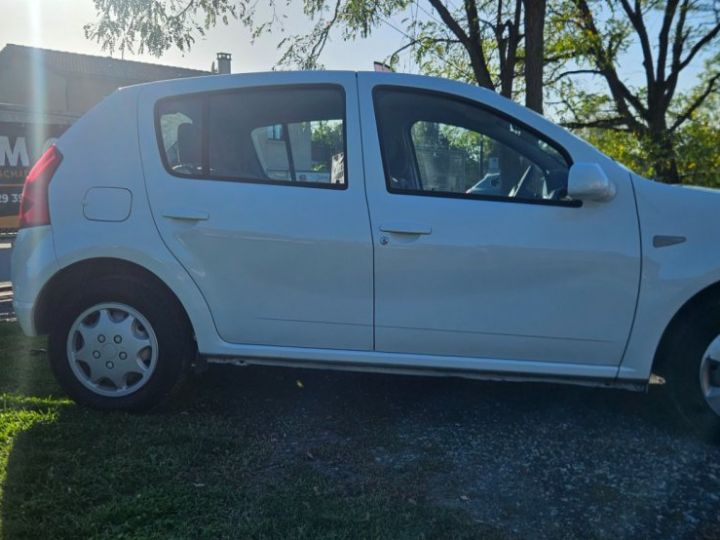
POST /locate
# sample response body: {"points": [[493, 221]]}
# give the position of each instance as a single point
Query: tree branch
{"points": [[507, 64], [450, 21], [414, 42], [636, 19], [620, 93], [616, 124], [699, 99], [474, 48], [182, 12], [664, 38], [678, 63], [699, 45], [574, 72], [677, 49], [319, 45]]}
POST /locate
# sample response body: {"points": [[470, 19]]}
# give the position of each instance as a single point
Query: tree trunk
{"points": [[666, 169], [534, 53], [507, 37], [663, 157]]}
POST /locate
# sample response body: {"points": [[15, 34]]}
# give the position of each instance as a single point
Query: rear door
{"points": [[256, 186]]}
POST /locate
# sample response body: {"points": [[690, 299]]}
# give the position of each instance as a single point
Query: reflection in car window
{"points": [[316, 148], [434, 144], [293, 135]]}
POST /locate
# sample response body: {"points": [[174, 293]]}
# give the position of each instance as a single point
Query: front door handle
{"points": [[186, 214], [406, 228]]}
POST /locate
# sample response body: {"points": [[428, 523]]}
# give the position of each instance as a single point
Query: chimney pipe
{"points": [[223, 63]]}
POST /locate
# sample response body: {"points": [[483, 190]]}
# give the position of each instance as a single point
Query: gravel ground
{"points": [[527, 460]]}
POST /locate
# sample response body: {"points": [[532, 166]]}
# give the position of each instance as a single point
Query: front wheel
{"points": [[690, 365], [121, 344]]}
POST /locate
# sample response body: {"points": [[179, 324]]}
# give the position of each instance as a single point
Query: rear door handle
{"points": [[186, 214], [400, 227]]}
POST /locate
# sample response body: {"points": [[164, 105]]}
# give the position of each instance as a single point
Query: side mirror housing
{"points": [[588, 182]]}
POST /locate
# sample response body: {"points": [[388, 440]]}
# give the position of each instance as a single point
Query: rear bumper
{"points": [[24, 314], [33, 264]]}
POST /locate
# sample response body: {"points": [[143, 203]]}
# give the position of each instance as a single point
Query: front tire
{"points": [[120, 344], [690, 364]]}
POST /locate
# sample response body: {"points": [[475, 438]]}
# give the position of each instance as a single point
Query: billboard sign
{"points": [[21, 144]]}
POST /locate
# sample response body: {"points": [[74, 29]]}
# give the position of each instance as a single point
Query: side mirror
{"points": [[588, 182]]}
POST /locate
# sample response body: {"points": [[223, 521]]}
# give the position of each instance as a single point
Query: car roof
{"points": [[305, 75]]}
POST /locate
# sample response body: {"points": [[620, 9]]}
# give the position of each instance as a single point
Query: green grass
{"points": [[242, 453], [25, 401]]}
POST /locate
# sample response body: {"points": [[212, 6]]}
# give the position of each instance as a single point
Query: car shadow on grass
{"points": [[281, 453]]}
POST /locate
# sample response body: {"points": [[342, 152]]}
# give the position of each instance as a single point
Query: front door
{"points": [[258, 191], [479, 252]]}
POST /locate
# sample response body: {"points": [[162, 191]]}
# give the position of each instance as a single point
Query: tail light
{"points": [[34, 210]]}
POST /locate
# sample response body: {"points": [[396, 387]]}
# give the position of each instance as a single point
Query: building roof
{"points": [[127, 71], [12, 112]]}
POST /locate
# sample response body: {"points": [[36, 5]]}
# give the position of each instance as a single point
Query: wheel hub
{"points": [[108, 351]]}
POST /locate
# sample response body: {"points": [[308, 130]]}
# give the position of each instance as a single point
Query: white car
{"points": [[323, 219]]}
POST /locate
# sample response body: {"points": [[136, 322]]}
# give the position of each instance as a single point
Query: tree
{"points": [[480, 41], [697, 142], [535, 12], [503, 45], [651, 113]]}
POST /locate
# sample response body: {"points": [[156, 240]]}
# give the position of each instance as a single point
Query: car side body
{"points": [[361, 276]]}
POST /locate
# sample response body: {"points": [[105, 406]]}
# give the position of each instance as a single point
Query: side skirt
{"points": [[424, 371]]}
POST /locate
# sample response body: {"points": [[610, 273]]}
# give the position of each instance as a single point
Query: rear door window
{"points": [[276, 135]]}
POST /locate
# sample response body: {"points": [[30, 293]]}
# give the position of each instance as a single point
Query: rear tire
{"points": [[690, 364], [120, 344]]}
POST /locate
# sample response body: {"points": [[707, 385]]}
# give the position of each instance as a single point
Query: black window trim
{"points": [[205, 176], [466, 196]]}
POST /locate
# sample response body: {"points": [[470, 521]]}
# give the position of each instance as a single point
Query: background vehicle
{"points": [[181, 217]]}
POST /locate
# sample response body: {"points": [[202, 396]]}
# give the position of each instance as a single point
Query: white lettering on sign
{"points": [[10, 156]]}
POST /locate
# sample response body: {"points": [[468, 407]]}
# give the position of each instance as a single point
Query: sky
{"points": [[58, 24]]}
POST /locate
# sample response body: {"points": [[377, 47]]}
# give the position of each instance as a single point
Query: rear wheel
{"points": [[120, 344], [690, 365]]}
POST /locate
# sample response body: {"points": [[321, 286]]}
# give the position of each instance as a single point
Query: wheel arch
{"points": [[85, 271], [683, 314]]}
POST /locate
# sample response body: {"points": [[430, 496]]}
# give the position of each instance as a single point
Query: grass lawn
{"points": [[220, 461]]}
